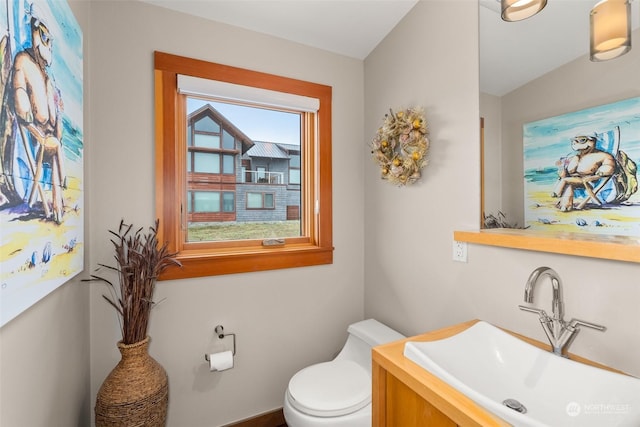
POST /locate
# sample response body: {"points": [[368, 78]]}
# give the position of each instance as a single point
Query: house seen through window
{"points": [[243, 171], [243, 168]]}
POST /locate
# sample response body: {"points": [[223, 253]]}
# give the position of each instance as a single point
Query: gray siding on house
{"points": [[293, 195], [280, 166], [279, 213]]}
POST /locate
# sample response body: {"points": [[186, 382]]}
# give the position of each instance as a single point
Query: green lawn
{"points": [[241, 231]]}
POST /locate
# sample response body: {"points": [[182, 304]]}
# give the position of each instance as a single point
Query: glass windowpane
{"points": [[207, 124], [268, 201], [262, 174], [206, 141], [206, 163], [228, 202], [254, 200], [228, 141], [206, 201], [228, 164], [259, 214], [294, 176]]}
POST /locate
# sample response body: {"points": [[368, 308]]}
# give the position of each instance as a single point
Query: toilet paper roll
{"points": [[221, 361]]}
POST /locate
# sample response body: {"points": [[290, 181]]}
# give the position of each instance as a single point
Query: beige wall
{"points": [[284, 319], [411, 281], [44, 352], [393, 245]]}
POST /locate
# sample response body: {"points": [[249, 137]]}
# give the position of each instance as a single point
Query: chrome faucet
{"points": [[559, 333]]}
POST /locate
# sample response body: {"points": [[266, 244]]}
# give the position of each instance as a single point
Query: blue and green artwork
{"points": [[41, 151], [580, 171]]}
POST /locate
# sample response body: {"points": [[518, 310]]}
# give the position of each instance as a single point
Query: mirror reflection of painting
{"points": [[41, 151], [581, 170]]}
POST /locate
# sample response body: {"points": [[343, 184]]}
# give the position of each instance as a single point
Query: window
{"points": [[228, 141], [206, 162], [261, 174], [294, 169], [210, 201], [197, 160], [260, 201], [208, 145], [206, 201], [228, 202]]}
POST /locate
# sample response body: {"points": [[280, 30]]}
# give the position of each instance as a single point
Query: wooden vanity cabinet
{"points": [[404, 407], [406, 395]]}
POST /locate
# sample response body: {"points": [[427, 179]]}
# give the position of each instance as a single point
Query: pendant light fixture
{"points": [[610, 29], [517, 10]]}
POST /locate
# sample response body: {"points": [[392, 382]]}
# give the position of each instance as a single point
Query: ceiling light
{"points": [[517, 10], [610, 29]]}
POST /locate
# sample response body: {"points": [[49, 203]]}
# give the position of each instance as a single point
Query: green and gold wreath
{"points": [[400, 146]]}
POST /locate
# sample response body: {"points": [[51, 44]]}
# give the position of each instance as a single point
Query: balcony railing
{"points": [[263, 177]]}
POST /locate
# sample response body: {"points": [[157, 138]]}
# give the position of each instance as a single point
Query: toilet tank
{"points": [[364, 335]]}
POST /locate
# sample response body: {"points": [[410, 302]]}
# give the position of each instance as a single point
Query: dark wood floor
{"points": [[269, 419]]}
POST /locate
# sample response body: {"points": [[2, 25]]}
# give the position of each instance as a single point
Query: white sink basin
{"points": [[489, 366]]}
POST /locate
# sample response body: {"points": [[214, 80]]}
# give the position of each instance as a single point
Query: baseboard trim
{"points": [[274, 418]]}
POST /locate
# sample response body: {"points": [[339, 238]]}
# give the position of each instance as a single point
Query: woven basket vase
{"points": [[136, 392]]}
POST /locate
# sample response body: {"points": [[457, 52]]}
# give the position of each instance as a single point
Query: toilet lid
{"points": [[330, 389]]}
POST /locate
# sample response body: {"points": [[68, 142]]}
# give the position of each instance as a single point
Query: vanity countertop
{"points": [[389, 359]]}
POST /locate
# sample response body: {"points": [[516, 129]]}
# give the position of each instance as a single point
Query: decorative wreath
{"points": [[400, 146]]}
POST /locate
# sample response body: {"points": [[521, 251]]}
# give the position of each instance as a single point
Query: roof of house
{"points": [[289, 147], [272, 150], [267, 149], [247, 143]]}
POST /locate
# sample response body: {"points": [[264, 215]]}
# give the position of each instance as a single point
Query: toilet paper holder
{"points": [[219, 330]]}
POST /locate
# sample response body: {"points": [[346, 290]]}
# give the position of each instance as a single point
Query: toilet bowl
{"points": [[338, 393]]}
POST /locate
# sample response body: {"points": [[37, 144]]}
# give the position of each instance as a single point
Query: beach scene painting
{"points": [[41, 152], [580, 171]]}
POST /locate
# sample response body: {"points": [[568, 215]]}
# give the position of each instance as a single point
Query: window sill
{"points": [[617, 248], [199, 263]]}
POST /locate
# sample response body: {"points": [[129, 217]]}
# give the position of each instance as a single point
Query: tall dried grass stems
{"points": [[140, 260]]}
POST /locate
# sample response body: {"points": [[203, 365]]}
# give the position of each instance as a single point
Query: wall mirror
{"points": [[531, 70]]}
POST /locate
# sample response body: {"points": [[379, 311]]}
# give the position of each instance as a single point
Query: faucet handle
{"points": [[574, 323], [543, 315]]}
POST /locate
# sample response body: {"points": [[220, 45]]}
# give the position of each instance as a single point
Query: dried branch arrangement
{"points": [[140, 261]]}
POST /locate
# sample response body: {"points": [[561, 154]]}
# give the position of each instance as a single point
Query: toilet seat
{"points": [[330, 389]]}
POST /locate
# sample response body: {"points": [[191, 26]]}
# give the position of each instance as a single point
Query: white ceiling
{"points": [[511, 53], [349, 27]]}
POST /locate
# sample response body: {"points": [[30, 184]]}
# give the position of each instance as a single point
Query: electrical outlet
{"points": [[460, 251]]}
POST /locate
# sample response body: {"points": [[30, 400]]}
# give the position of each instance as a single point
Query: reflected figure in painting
{"points": [[598, 172]]}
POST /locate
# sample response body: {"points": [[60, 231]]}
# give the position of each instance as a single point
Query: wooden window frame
{"points": [[199, 260]]}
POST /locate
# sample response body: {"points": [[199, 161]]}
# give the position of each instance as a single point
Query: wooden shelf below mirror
{"points": [[618, 248]]}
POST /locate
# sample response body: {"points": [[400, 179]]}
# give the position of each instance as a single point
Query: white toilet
{"points": [[338, 393]]}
